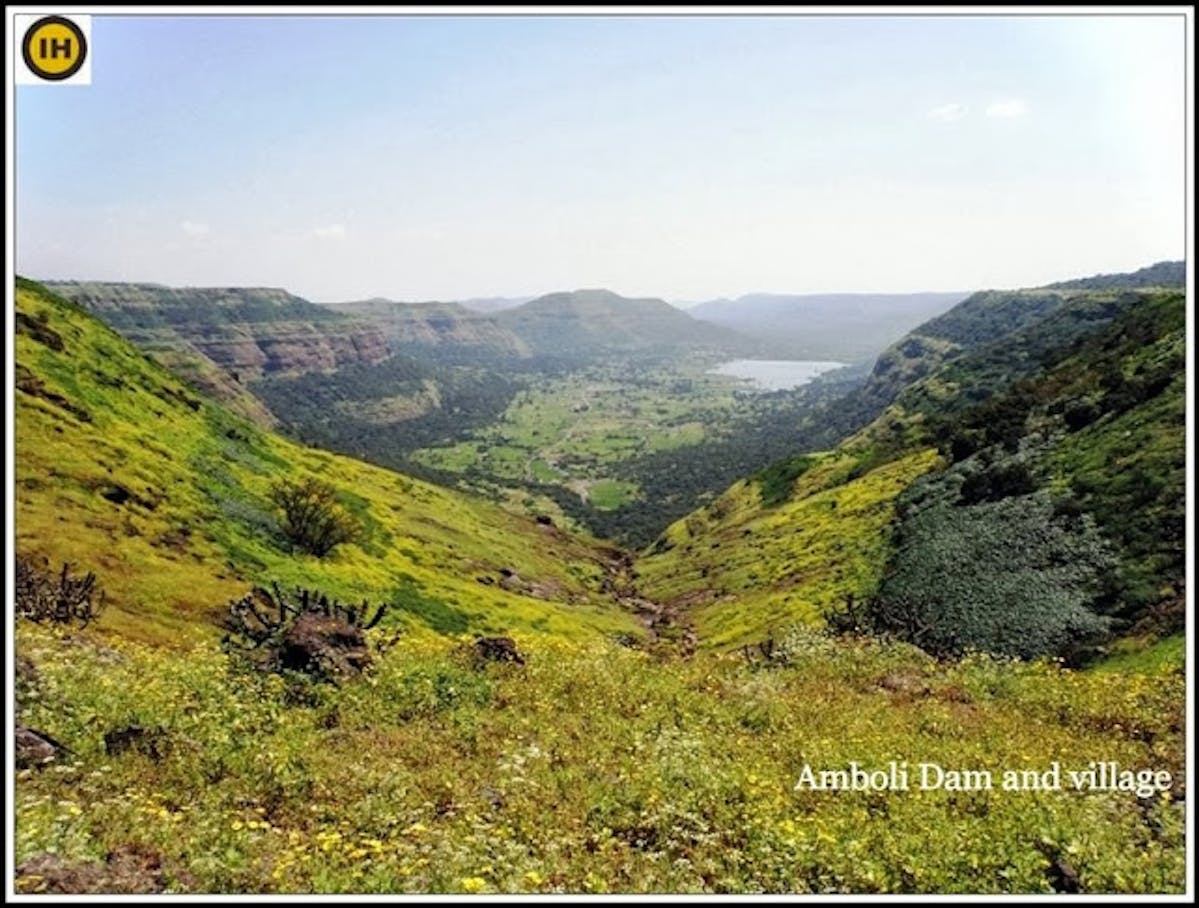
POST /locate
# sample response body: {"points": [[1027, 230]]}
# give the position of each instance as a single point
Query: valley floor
{"points": [[592, 768]]}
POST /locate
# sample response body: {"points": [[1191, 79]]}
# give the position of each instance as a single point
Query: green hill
{"points": [[990, 317], [587, 323], [745, 566], [1022, 490], [124, 470]]}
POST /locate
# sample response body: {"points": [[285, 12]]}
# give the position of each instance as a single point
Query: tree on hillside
{"points": [[312, 518]]}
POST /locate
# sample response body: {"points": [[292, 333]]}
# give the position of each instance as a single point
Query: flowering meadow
{"points": [[592, 768]]}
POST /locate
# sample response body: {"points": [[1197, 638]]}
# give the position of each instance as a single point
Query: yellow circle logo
{"points": [[54, 48]]}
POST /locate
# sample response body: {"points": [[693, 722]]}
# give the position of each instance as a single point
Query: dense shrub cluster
{"points": [[1106, 414], [985, 563]]}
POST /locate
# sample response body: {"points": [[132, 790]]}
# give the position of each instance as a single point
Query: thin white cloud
{"points": [[1007, 108], [947, 113], [193, 229], [331, 232]]}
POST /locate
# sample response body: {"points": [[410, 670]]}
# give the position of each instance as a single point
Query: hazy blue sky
{"points": [[677, 157]]}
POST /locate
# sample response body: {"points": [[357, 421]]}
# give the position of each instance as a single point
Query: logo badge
{"points": [[55, 49]]}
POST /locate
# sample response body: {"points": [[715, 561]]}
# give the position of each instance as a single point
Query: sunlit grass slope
{"points": [[779, 548], [124, 470], [596, 768]]}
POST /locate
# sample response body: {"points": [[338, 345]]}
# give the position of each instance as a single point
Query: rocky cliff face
{"points": [[434, 327], [247, 332], [251, 351]]}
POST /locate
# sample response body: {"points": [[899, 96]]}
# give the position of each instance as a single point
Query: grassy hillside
{"points": [[593, 768], [780, 548], [217, 383], [124, 470], [1051, 521]]}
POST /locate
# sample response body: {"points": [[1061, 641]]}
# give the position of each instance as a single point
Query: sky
{"points": [[678, 157]]}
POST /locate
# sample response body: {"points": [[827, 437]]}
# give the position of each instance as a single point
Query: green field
{"points": [[610, 494], [572, 430]]}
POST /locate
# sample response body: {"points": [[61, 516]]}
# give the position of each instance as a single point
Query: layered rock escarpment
{"points": [[221, 338], [249, 332]]}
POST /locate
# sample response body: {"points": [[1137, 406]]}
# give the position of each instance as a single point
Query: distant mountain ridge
{"points": [[846, 327], [494, 303], [596, 321], [562, 326]]}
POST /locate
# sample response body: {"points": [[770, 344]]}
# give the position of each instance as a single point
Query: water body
{"points": [[774, 374]]}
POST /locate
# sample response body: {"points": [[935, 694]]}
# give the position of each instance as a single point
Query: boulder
{"points": [[34, 748]]}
